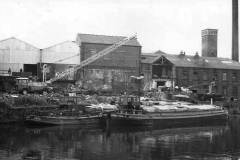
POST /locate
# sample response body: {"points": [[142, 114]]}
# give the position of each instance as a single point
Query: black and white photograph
{"points": [[119, 80]]}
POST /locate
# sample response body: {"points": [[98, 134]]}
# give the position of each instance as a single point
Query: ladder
{"points": [[93, 58]]}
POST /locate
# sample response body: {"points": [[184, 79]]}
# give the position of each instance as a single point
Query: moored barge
{"points": [[169, 118], [63, 120], [174, 113]]}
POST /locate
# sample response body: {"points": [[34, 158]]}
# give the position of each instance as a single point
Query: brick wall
{"points": [[115, 68], [221, 84], [124, 56]]}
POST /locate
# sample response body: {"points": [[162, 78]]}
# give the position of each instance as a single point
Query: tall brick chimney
{"points": [[209, 42], [235, 55]]}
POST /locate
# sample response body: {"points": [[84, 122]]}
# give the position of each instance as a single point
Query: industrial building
{"points": [[18, 55], [113, 71], [194, 72], [58, 58]]}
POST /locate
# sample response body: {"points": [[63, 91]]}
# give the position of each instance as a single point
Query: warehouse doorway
{"points": [[30, 68]]}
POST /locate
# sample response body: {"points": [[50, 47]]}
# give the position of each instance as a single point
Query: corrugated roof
{"points": [[193, 61], [103, 39]]}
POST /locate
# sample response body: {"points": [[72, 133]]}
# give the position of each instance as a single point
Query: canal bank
{"points": [[61, 108]]}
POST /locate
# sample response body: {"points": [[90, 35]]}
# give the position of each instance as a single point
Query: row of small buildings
{"points": [[115, 71]]}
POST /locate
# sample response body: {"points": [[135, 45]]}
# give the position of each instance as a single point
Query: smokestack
{"points": [[235, 55], [209, 42]]}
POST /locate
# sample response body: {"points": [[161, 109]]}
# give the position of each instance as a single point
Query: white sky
{"points": [[168, 25]]}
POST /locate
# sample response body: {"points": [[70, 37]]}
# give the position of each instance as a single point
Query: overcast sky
{"points": [[167, 25]]}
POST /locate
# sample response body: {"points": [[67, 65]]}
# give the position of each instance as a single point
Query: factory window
{"points": [[224, 91], [215, 89], [224, 76], [93, 51], [164, 73], [146, 67], [235, 91], [121, 51], [205, 76], [107, 57], [195, 75], [162, 60], [184, 74], [206, 87], [234, 76], [215, 76], [91, 71]]}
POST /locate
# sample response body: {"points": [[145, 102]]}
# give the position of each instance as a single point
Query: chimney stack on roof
{"points": [[182, 54], [196, 56]]}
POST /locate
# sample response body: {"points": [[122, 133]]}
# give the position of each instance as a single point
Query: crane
{"points": [[93, 58], [45, 66], [61, 60]]}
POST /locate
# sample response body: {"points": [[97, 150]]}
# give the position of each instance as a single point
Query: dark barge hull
{"points": [[161, 121], [47, 120]]}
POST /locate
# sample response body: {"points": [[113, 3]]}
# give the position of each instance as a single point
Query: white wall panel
{"points": [[63, 53], [13, 50], [15, 67], [4, 55], [26, 57]]}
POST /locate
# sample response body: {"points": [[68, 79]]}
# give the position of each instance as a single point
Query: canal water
{"points": [[76, 143]]}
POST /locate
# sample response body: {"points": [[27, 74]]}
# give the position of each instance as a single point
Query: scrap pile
{"points": [[18, 100]]}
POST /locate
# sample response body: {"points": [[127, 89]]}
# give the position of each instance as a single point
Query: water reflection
{"points": [[74, 142]]}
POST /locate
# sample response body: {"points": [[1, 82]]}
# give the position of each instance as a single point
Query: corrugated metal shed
{"points": [[103, 39], [13, 50], [192, 61]]}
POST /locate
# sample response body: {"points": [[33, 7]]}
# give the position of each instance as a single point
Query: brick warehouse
{"points": [[113, 71], [195, 72]]}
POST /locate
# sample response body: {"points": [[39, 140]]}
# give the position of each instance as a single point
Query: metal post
{"points": [[43, 74]]}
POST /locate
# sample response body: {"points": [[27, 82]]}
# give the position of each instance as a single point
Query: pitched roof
{"points": [[193, 61], [14, 38], [103, 39], [149, 58], [68, 41]]}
